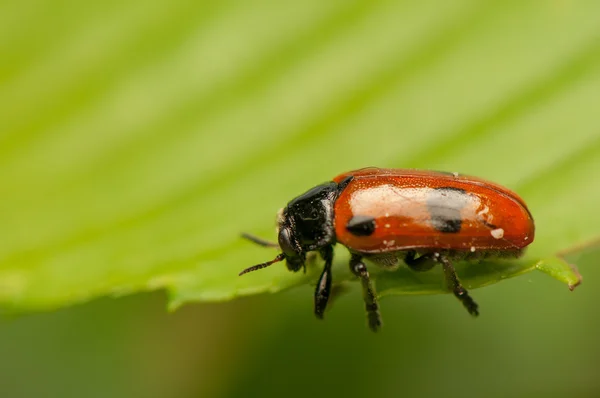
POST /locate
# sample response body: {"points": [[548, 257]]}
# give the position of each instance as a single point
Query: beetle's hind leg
{"points": [[457, 288], [428, 261], [359, 269]]}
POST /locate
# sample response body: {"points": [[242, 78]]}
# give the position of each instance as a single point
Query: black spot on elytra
{"points": [[444, 205], [447, 225], [361, 225]]}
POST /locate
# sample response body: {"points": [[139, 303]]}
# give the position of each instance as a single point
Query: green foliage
{"points": [[138, 140]]}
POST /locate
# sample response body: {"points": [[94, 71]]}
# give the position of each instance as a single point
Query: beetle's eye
{"points": [[285, 242]]}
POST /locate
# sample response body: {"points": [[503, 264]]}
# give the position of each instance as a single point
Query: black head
{"points": [[304, 225]]}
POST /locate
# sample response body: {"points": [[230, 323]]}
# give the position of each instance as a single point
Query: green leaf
{"points": [[138, 139]]}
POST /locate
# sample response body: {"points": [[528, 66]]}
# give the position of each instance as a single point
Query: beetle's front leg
{"points": [[323, 288]]}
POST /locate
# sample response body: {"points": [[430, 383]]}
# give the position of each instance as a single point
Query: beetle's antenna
{"points": [[280, 257], [259, 241]]}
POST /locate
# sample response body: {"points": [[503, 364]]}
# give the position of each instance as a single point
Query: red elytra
{"points": [[422, 218], [403, 203]]}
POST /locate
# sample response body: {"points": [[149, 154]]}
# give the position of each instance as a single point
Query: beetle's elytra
{"points": [[422, 218]]}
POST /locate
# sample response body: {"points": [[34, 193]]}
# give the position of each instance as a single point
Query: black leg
{"points": [[359, 269], [421, 264], [459, 291], [323, 289], [427, 261]]}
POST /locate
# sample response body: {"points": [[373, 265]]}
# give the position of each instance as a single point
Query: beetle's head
{"points": [[304, 225], [290, 243]]}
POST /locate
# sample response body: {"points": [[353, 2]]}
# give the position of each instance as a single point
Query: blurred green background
{"points": [[137, 139]]}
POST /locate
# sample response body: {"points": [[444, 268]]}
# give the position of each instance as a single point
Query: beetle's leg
{"points": [[457, 288], [421, 264], [259, 241], [359, 269], [427, 261], [324, 284]]}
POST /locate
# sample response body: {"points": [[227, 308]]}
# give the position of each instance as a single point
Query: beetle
{"points": [[420, 217]]}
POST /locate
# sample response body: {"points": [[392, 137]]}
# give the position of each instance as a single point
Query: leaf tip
{"points": [[577, 275], [572, 286]]}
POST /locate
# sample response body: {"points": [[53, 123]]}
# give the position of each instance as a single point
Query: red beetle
{"points": [[387, 215]]}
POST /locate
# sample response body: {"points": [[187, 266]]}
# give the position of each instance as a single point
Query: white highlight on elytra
{"points": [[497, 233], [387, 225], [472, 249]]}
